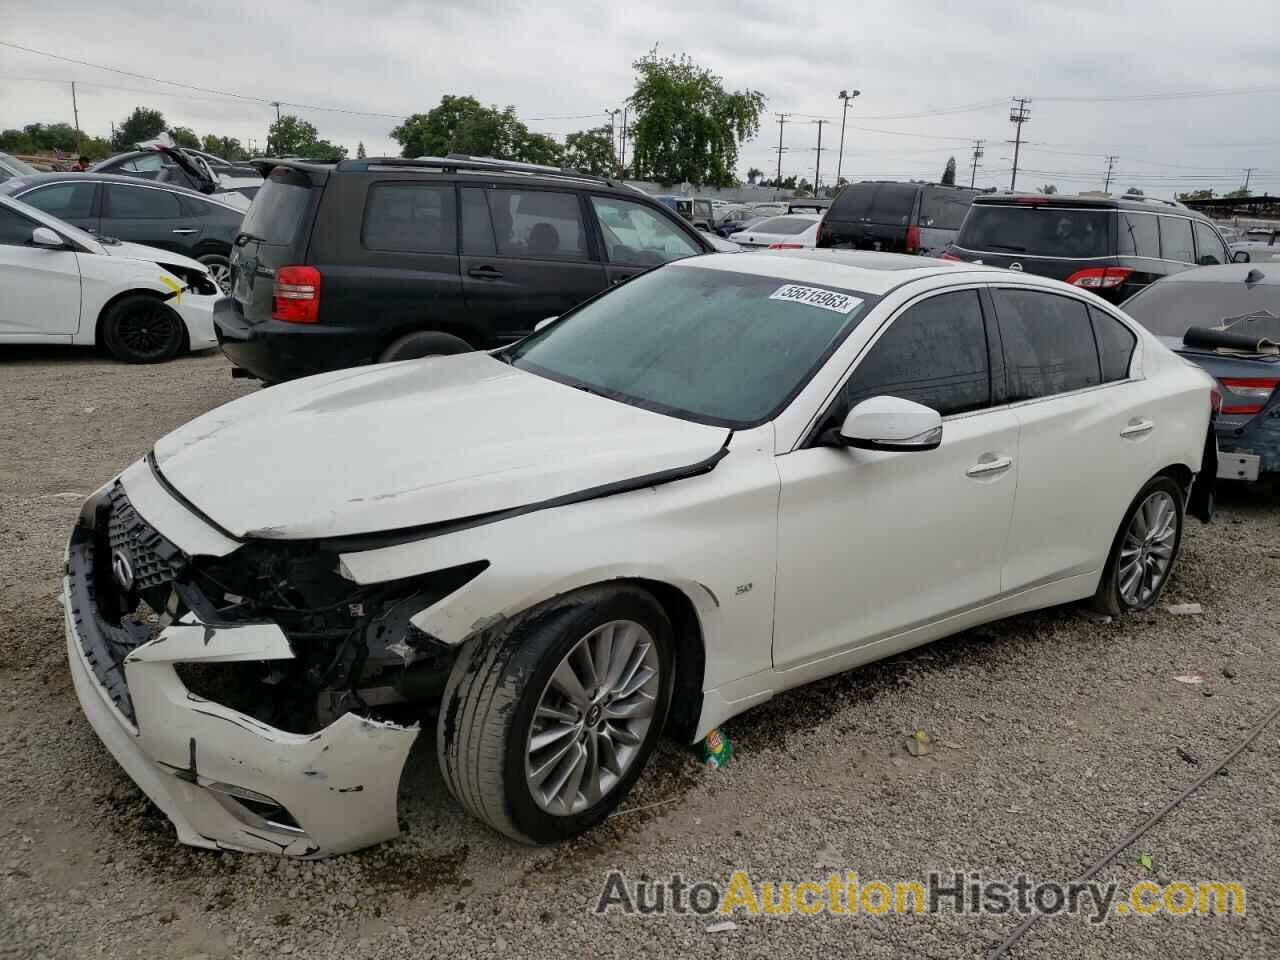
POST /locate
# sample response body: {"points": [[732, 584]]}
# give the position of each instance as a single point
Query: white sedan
{"points": [[61, 285], [728, 476], [786, 229]]}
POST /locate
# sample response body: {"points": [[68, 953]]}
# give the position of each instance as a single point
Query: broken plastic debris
{"points": [[1190, 678], [716, 749], [1185, 609], [919, 744], [1147, 862], [724, 926]]}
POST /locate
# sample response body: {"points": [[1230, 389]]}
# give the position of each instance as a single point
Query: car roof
{"points": [[1265, 273], [867, 271], [1147, 204]]}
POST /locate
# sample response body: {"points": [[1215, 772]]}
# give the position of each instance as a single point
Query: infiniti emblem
{"points": [[1015, 266], [122, 570]]}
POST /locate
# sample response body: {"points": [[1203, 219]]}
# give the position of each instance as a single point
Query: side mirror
{"points": [[49, 239], [891, 423], [1240, 256], [544, 322]]}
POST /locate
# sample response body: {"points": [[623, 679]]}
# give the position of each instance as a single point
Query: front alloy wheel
{"points": [[546, 723], [592, 718]]}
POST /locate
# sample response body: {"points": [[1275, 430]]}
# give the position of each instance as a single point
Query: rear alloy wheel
{"points": [[219, 271], [142, 329], [1144, 550], [545, 728], [424, 343]]}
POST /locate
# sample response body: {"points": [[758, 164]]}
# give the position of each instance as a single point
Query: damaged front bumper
{"points": [[225, 779]]}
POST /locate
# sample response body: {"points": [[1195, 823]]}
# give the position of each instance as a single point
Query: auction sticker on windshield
{"points": [[816, 297]]}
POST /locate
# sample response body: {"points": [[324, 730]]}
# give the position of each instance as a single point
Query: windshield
{"points": [[714, 346], [277, 211], [787, 226], [1037, 230], [1168, 309]]}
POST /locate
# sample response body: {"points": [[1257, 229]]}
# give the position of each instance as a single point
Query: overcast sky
{"points": [[554, 59]]}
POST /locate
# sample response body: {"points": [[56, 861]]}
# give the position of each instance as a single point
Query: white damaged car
{"points": [[62, 285], [726, 477]]}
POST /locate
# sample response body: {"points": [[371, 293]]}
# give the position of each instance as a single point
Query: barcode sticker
{"points": [[817, 297]]}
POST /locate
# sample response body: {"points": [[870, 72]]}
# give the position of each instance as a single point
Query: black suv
{"points": [[1112, 246], [390, 259], [897, 217]]}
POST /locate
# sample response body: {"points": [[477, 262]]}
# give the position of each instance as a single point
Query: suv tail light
{"points": [[913, 239], [1099, 278], [786, 246], [295, 295], [1246, 396]]}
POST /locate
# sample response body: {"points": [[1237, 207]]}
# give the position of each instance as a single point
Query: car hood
{"points": [[136, 251], [400, 445]]}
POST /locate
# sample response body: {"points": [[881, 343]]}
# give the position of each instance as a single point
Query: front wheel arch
{"points": [[106, 309]]}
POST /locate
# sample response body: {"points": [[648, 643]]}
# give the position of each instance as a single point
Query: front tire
{"points": [[219, 271], [1144, 550], [142, 329], [545, 727]]}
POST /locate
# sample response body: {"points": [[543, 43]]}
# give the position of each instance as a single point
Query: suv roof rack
{"points": [[461, 161]]}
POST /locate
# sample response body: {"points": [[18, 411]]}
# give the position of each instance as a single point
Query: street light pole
{"points": [[846, 96], [817, 170]]}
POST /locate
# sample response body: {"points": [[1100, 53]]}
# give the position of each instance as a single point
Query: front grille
{"points": [[152, 559]]}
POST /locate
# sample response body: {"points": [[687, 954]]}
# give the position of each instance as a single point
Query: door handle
{"points": [[185, 230], [988, 467], [485, 273], [1137, 427]]}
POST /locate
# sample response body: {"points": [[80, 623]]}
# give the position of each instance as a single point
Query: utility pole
{"points": [[977, 155], [1111, 164], [622, 161], [276, 104], [1018, 114], [1248, 172], [613, 136], [817, 170], [846, 96], [76, 111], [782, 122]]}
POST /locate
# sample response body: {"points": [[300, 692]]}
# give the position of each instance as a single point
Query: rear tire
{"points": [[1144, 551], [424, 343], [519, 752], [219, 271], [142, 329]]}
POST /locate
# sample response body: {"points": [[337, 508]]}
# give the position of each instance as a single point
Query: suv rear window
{"points": [[853, 202], [892, 203], [944, 209], [278, 208], [1038, 231]]}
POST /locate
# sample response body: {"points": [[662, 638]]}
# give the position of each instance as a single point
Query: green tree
{"points": [[360, 154], [464, 125], [290, 135], [949, 173], [143, 124], [688, 128], [754, 174], [185, 137], [804, 188], [1196, 195], [228, 148], [1236, 194], [1048, 188], [434, 133], [1133, 192], [590, 151]]}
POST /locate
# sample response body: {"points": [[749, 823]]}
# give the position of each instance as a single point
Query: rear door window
{"points": [[1115, 345], [66, 201], [1036, 230], [943, 209], [141, 203], [893, 204], [477, 227], [635, 235], [1048, 343], [15, 229], [410, 218], [1175, 240], [934, 353], [853, 202], [1139, 236], [1209, 246], [539, 224]]}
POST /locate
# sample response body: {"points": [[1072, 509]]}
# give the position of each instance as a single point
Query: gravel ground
{"points": [[1054, 736]]}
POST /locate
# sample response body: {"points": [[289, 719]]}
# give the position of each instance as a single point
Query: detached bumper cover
{"points": [[197, 314], [225, 779]]}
